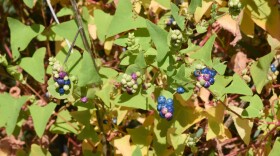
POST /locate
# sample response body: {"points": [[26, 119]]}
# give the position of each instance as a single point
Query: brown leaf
{"points": [[238, 62]]}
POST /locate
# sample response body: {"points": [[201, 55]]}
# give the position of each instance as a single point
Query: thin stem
{"points": [[72, 45], [56, 19]]}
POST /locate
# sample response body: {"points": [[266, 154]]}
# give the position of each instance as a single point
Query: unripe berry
{"points": [[173, 36], [56, 75], [128, 78], [135, 86], [66, 87], [130, 84], [138, 73], [66, 78], [123, 81], [56, 84], [276, 72], [133, 91]]}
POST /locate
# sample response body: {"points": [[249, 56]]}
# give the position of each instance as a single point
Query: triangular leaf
{"points": [[35, 65], [180, 20], [21, 35], [140, 60], [40, 116], [159, 37], [102, 21], [193, 5], [204, 54], [275, 149], [254, 109], [238, 86]]}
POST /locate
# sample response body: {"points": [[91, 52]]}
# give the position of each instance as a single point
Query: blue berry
{"points": [[161, 100], [61, 91], [169, 101], [161, 114], [105, 121], [180, 90], [159, 106], [196, 73], [206, 77], [212, 73], [67, 82], [207, 84], [170, 108], [273, 68], [211, 80], [60, 81], [205, 71]]}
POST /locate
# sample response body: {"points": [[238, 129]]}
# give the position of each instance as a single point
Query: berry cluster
{"points": [[170, 21], [234, 8], [204, 76], [176, 38], [129, 82], [61, 78], [165, 107], [273, 73]]}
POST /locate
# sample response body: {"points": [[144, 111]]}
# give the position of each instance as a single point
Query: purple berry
{"points": [[207, 84], [62, 74], [206, 77], [60, 81], [159, 106], [67, 82], [196, 73], [84, 99], [161, 100], [61, 91], [211, 81], [134, 76]]}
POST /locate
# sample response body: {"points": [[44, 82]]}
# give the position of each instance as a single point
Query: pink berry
{"points": [[134, 76], [164, 110], [168, 115], [84, 99], [62, 74]]}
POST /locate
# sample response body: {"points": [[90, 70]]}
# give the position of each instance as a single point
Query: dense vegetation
{"points": [[139, 77]]}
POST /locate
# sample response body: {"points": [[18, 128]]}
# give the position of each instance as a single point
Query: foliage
{"points": [[140, 78]]}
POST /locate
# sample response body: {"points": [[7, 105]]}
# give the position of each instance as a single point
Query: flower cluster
{"points": [[61, 78], [205, 76], [273, 73], [165, 107], [129, 82]]}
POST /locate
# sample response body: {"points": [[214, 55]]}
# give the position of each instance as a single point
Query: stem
{"points": [[56, 19], [72, 45]]}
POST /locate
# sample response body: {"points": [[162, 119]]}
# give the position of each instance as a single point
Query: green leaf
{"points": [[243, 126], [64, 12], [132, 69], [104, 93], [36, 150], [159, 37], [275, 149], [144, 139], [193, 5], [204, 54], [164, 3], [254, 109], [218, 88], [132, 101], [89, 74], [88, 132], [238, 86], [259, 71], [40, 116], [9, 111], [124, 19], [137, 151], [180, 20], [220, 67], [35, 65], [29, 3], [176, 140], [63, 30], [64, 124], [140, 60], [191, 47], [21, 35], [102, 21], [180, 74], [108, 72]]}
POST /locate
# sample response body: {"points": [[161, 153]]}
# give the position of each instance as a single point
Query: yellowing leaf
{"points": [[108, 45], [247, 25], [265, 14], [123, 146], [200, 11]]}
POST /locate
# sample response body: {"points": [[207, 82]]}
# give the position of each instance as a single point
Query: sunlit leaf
{"points": [[36, 150], [238, 86], [254, 109]]}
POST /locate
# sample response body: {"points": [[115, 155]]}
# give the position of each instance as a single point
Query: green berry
{"points": [[123, 81], [133, 91], [130, 84], [202, 82], [274, 77], [56, 84], [56, 75], [128, 78], [269, 77], [66, 78], [138, 73], [174, 36], [66, 87], [135, 86]]}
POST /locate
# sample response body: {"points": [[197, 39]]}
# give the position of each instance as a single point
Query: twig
{"points": [[56, 19], [72, 45]]}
